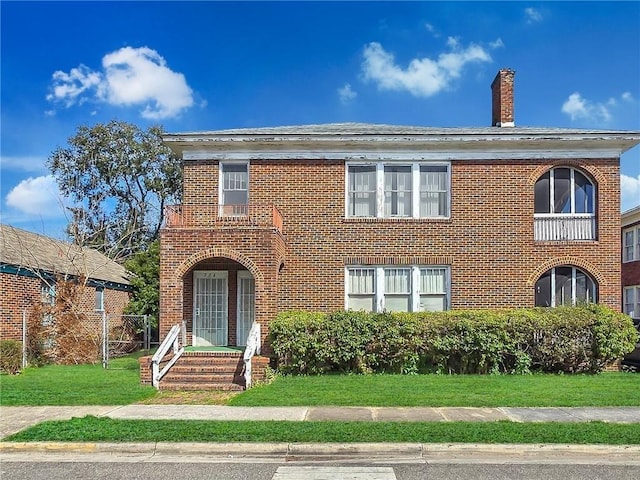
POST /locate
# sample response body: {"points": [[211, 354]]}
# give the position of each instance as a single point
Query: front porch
{"points": [[209, 369]]}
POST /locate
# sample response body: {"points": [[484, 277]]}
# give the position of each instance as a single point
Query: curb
{"points": [[426, 451]]}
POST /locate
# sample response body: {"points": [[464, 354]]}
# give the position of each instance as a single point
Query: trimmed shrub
{"points": [[10, 356], [582, 339]]}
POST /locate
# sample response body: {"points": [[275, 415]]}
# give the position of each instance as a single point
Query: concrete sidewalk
{"points": [[14, 419]]}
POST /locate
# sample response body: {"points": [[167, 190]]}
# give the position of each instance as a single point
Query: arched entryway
{"points": [[219, 297]]}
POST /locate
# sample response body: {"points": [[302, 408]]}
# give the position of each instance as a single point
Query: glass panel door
{"points": [[210, 307], [246, 306]]}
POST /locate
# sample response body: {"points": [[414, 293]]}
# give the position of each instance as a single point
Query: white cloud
{"points": [[423, 77], [533, 15], [69, 87], [432, 30], [36, 196], [23, 164], [629, 191], [130, 77], [579, 108], [497, 43], [346, 94]]}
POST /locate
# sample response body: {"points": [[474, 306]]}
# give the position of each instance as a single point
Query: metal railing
{"points": [[253, 347], [564, 227], [215, 216], [171, 340]]}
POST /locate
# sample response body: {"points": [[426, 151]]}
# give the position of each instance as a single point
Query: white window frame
{"points": [[414, 280], [631, 251], [380, 188], [574, 271], [47, 292], [572, 187], [99, 299], [221, 189], [631, 301]]}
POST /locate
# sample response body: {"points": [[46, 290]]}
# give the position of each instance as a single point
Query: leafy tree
{"points": [[145, 266], [120, 178]]}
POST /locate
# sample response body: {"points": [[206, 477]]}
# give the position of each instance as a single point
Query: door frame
{"points": [[216, 274]]}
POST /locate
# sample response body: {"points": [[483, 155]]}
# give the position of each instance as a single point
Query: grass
{"points": [[93, 429], [605, 389], [76, 385]]}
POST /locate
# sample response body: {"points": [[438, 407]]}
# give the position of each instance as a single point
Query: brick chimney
{"points": [[502, 99]]}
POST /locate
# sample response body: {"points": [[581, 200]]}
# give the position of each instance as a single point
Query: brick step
{"points": [[189, 369], [186, 386], [201, 377]]}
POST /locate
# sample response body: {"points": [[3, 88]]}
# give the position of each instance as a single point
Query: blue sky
{"points": [[215, 65]]}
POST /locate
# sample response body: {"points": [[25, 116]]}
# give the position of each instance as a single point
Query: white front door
{"points": [[210, 307], [246, 306]]}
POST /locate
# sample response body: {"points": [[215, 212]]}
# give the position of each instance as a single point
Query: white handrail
{"points": [[171, 340], [253, 347]]}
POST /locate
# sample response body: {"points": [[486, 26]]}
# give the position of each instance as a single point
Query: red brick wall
{"points": [[19, 293], [488, 241]]}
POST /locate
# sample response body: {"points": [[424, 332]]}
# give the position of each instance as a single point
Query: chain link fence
{"points": [[92, 337]]}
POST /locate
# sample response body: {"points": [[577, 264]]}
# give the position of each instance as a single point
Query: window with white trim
{"points": [[631, 244], [99, 299], [361, 289], [234, 188], [564, 190], [433, 289], [399, 289], [564, 285], [631, 301], [48, 292], [398, 190]]}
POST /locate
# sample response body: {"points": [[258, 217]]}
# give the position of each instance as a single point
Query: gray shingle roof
{"points": [[32, 251]]}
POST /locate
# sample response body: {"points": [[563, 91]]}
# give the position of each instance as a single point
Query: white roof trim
{"points": [[398, 155]]}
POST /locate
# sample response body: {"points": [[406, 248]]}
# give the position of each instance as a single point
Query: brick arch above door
{"points": [[220, 252]]}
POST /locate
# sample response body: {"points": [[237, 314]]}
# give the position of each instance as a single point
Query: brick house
{"points": [[326, 217], [630, 224], [30, 265]]}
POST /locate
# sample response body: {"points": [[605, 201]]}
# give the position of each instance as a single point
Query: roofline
{"points": [[458, 143], [47, 275]]}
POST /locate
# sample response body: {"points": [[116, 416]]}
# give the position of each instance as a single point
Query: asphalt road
{"points": [[62, 469]]}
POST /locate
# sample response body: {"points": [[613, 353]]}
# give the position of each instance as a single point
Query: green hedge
{"points": [[565, 339]]}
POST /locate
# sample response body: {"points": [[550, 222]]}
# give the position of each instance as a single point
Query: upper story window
{"points": [[397, 289], [564, 206], [414, 190], [234, 188], [564, 285], [631, 244]]}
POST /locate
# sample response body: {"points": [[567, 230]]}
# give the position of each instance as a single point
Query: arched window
{"points": [[564, 190], [564, 205], [564, 285]]}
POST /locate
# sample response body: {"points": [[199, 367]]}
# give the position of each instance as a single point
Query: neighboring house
{"points": [[630, 223], [381, 217], [30, 265]]}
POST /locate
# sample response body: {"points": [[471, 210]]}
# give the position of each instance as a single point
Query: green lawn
{"points": [[605, 389], [93, 429], [76, 385]]}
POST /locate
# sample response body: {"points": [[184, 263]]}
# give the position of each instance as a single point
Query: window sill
{"points": [[396, 220]]}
